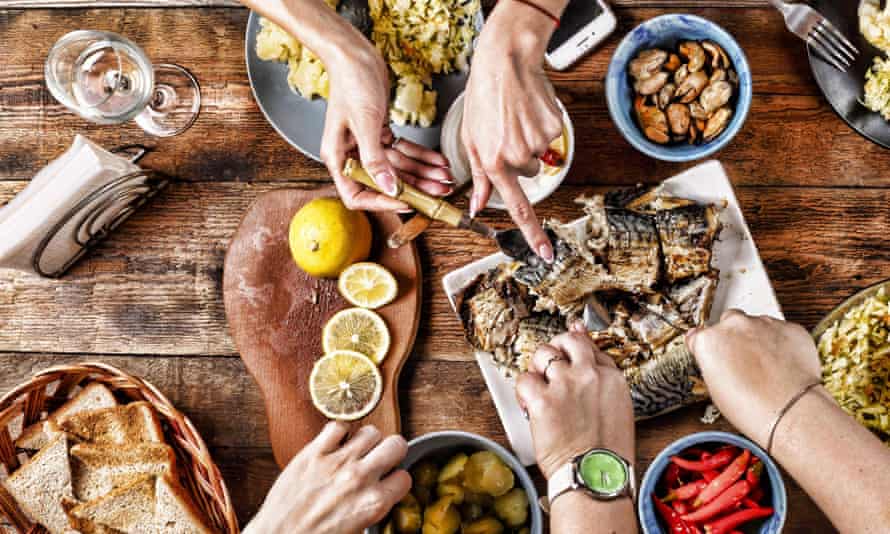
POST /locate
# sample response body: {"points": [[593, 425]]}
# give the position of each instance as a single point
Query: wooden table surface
{"points": [[149, 299]]}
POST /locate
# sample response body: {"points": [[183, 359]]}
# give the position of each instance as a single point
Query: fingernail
{"points": [[545, 251], [406, 210], [474, 206], [387, 182]]}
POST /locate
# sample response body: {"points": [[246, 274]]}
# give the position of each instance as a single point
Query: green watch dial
{"points": [[603, 472]]}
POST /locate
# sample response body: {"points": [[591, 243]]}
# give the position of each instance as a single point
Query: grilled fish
{"points": [[491, 309], [666, 383], [694, 297], [533, 332], [633, 252], [687, 236]]}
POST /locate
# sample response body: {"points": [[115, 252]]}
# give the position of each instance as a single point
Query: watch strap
{"points": [[563, 480]]}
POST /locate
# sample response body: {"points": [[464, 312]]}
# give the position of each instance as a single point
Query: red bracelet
{"points": [[548, 14]]}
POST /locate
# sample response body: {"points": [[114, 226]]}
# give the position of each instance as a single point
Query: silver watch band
{"points": [[562, 481]]}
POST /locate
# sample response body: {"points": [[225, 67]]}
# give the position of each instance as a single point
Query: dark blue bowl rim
{"points": [[650, 478], [649, 149]]}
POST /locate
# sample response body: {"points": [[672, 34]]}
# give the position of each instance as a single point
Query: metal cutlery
{"points": [[819, 33], [511, 242]]}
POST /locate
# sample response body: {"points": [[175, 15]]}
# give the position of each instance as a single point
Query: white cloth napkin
{"points": [[27, 219]]}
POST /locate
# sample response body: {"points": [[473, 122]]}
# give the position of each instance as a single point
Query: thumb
{"points": [[368, 132]]}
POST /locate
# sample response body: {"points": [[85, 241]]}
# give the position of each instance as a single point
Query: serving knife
{"points": [[511, 242]]}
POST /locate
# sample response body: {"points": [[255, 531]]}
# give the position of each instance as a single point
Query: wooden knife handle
{"points": [[409, 230], [432, 207]]}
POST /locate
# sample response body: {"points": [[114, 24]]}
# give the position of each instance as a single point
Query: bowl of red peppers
{"points": [[712, 483]]}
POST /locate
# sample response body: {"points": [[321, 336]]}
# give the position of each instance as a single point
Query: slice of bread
{"points": [[93, 397], [129, 508], [40, 485], [129, 424], [85, 526], [98, 469], [175, 512], [148, 505]]}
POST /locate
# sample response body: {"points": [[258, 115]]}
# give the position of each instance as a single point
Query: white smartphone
{"points": [[584, 24]]}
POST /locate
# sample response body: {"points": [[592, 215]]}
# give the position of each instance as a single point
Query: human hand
{"points": [[583, 401], [332, 487], [753, 366], [510, 115], [357, 115]]}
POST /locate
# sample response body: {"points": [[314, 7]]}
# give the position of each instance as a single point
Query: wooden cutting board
{"points": [[276, 313]]}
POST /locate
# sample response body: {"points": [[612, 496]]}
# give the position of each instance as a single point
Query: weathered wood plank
{"points": [[154, 287], [432, 395], [231, 140]]}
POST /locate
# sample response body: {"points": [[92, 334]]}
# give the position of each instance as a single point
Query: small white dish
{"points": [[536, 188], [744, 285]]}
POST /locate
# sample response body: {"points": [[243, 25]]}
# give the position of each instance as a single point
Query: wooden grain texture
{"points": [[431, 393], [155, 286], [234, 3], [276, 314], [791, 137]]}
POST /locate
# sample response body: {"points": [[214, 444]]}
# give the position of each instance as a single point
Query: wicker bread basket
{"points": [[47, 390]]}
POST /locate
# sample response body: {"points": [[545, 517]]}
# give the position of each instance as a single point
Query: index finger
{"points": [[523, 215], [580, 348]]}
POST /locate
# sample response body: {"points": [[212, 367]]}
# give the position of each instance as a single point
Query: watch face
{"points": [[603, 472]]}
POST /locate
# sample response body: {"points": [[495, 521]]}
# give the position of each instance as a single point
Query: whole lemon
{"points": [[326, 237]]}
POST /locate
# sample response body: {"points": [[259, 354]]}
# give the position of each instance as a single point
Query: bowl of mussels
{"points": [[678, 87]]}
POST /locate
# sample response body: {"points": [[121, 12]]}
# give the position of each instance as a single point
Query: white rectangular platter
{"points": [[744, 285]]}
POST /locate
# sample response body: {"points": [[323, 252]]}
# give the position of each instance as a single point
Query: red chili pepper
{"points": [[733, 472], [705, 455], [681, 507], [694, 529], [756, 494], [672, 476], [552, 157], [726, 501], [694, 452], [720, 459], [748, 502], [676, 525], [684, 493], [710, 475], [754, 472], [724, 525]]}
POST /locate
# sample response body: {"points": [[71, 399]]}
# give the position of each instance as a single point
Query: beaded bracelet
{"points": [[547, 13], [784, 410]]}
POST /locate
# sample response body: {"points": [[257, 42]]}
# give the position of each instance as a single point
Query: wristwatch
{"points": [[602, 474]]}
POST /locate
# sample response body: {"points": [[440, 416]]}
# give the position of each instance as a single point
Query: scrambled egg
{"points": [[877, 88], [855, 353], [417, 38], [874, 23]]}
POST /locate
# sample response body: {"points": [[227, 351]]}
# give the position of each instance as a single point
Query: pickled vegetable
{"points": [[388, 529], [482, 499], [425, 474], [524, 530], [424, 495], [486, 525], [485, 472], [406, 516], [512, 507], [441, 517], [454, 468], [453, 490], [470, 512]]}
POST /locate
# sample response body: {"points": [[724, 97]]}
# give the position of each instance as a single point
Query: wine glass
{"points": [[106, 78]]}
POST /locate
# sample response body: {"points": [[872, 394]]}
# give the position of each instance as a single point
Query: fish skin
{"points": [[534, 331], [666, 383], [491, 307], [687, 236], [694, 297], [633, 255]]}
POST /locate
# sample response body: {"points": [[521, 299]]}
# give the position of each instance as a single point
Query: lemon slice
{"points": [[345, 385], [359, 330], [368, 285]]}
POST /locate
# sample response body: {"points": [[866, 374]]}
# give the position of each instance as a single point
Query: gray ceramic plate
{"points": [[301, 122], [838, 313], [844, 89]]}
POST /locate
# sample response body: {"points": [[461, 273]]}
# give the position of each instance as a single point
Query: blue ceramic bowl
{"points": [[446, 443], [775, 493], [666, 32]]}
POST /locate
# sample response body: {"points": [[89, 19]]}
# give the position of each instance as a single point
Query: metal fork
{"points": [[819, 33]]}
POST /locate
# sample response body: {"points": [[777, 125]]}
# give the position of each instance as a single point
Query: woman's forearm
{"points": [[313, 22], [576, 513], [840, 464]]}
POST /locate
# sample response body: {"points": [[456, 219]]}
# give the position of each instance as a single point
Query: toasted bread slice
{"points": [[93, 397], [85, 526], [129, 508], [40, 485], [175, 511], [129, 424], [98, 469], [148, 505]]}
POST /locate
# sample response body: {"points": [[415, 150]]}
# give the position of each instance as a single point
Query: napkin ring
{"points": [[101, 211]]}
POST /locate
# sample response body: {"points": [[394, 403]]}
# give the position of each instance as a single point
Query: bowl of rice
{"points": [[854, 348]]}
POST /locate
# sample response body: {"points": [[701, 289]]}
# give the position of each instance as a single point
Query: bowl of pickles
{"points": [[463, 483]]}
